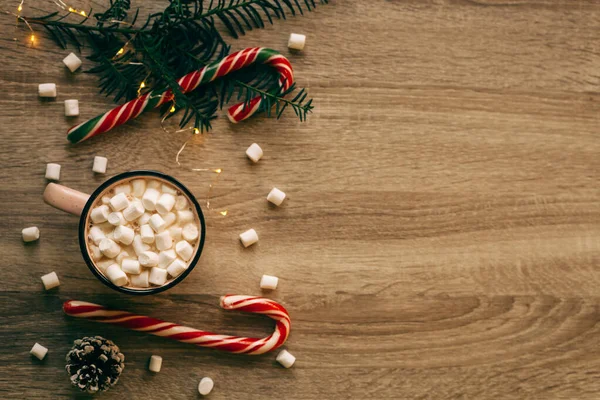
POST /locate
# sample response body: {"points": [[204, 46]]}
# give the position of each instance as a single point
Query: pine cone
{"points": [[94, 364]]}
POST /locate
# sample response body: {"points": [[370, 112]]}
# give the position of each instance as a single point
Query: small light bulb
{"points": [[218, 170], [223, 213], [142, 85], [82, 13], [20, 8], [32, 38], [172, 109], [121, 51], [71, 9], [196, 131]]}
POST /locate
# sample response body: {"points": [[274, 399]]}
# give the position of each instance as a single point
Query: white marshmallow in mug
{"points": [[99, 166], [285, 358], [38, 351], [116, 218], [175, 233], [133, 211], [158, 276], [140, 280], [116, 275], [124, 188], [184, 216], [30, 234], [157, 223], [104, 264], [71, 108], [143, 220], [269, 282], [169, 219], [190, 232], [163, 241], [72, 62], [249, 237], [154, 184], [124, 234], [122, 255], [165, 258], [176, 268], [96, 235], [296, 41], [150, 198], [47, 90], [139, 187], [148, 259], [99, 214], [276, 196], [119, 202], [109, 248], [184, 249], [254, 152], [166, 188], [138, 245], [181, 203], [165, 203], [95, 252], [50, 281], [131, 266], [53, 171], [147, 234]]}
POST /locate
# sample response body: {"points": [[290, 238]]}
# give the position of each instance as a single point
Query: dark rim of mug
{"points": [[130, 175]]}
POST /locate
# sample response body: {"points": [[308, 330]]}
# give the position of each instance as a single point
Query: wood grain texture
{"points": [[441, 239]]}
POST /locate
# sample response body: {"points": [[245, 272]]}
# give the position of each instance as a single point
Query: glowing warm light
{"points": [[20, 8], [121, 51], [172, 109], [218, 170], [32, 38], [82, 13], [196, 131], [223, 213], [71, 9], [142, 85]]}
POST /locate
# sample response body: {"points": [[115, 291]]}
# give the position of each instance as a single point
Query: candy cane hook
{"points": [[236, 113], [233, 344]]}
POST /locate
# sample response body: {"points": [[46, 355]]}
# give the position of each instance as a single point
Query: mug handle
{"points": [[65, 199]]}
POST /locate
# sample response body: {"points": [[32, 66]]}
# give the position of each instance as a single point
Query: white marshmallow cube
{"points": [[155, 363], [165, 203], [184, 249], [30, 234], [116, 218], [254, 152], [140, 280], [134, 210], [71, 108], [190, 232], [124, 234], [95, 252], [166, 188], [47, 90], [158, 276], [150, 198], [38, 351], [165, 258], [205, 386], [169, 219], [122, 255], [138, 245], [176, 268], [154, 184], [296, 41], [104, 264], [124, 188], [269, 282], [119, 202], [116, 275], [50, 281], [109, 248], [143, 220], [53, 172], [147, 234], [96, 235], [100, 165], [131, 266], [184, 216], [148, 259], [285, 358], [249, 237], [139, 187], [100, 214], [164, 241], [156, 222], [276, 196], [181, 203], [175, 233], [72, 62], [105, 200]]}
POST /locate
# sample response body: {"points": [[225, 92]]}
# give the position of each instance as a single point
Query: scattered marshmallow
{"points": [[124, 234], [96, 235], [176, 268], [100, 164], [205, 386], [119, 202], [164, 241], [158, 276], [166, 188], [50, 281], [296, 41], [143, 220], [140, 280], [116, 275], [184, 249], [156, 222], [165, 203], [47, 90], [134, 210], [72, 62], [139, 187], [100, 214], [116, 218], [190, 232], [30, 234], [138, 245], [124, 188], [184, 216], [155, 363], [53, 172], [165, 258], [285, 358], [150, 198], [38, 351], [71, 108], [249, 237], [181, 203], [276, 196], [147, 234], [131, 266], [148, 259], [95, 252], [254, 152], [109, 248], [175, 233], [269, 282]]}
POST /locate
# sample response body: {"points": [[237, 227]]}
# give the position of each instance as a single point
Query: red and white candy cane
{"points": [[233, 62], [232, 344]]}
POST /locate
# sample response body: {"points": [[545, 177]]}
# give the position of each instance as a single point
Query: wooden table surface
{"points": [[442, 233]]}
